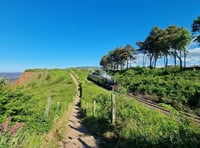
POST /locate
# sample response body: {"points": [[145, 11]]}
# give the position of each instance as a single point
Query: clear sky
{"points": [[68, 33]]}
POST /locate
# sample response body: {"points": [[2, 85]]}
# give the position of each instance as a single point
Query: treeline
{"points": [[118, 58], [164, 43], [160, 43]]}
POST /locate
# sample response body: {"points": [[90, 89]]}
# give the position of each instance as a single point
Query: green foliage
{"points": [[171, 86], [196, 29], [99, 122], [142, 127], [171, 41], [194, 100], [9, 133], [118, 57], [135, 124], [121, 90], [103, 106], [3, 83], [31, 105]]}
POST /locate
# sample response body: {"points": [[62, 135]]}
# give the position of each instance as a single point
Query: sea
{"points": [[10, 76]]}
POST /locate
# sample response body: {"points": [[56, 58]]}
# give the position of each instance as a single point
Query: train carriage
{"points": [[107, 83]]}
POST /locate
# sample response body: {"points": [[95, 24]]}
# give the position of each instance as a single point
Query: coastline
{"points": [[11, 77]]}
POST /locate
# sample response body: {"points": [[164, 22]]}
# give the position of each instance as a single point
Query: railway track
{"points": [[155, 106], [150, 104]]}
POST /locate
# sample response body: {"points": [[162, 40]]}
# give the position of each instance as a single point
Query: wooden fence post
{"points": [[94, 107], [47, 106], [113, 108]]}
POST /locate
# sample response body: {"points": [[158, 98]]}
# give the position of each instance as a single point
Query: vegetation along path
{"points": [[77, 135]]}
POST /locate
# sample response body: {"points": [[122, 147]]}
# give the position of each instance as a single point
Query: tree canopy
{"points": [[196, 29], [118, 58], [160, 43], [166, 42]]}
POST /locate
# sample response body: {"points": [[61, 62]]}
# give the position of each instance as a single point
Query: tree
{"points": [[178, 39], [117, 59], [183, 39], [128, 52], [196, 29], [105, 63], [152, 46], [171, 37], [165, 42]]}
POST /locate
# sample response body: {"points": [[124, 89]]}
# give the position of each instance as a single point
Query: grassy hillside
{"points": [[181, 89], [135, 124], [89, 91], [38, 104], [34, 114]]}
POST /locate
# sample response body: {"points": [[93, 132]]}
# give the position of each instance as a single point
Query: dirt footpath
{"points": [[77, 135]]}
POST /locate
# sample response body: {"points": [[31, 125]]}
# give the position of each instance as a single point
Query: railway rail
{"points": [[153, 105], [95, 78]]}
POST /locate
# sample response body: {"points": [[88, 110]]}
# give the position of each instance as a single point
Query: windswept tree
{"points": [[183, 39], [171, 37], [196, 29], [117, 59], [105, 63], [165, 42], [178, 39], [129, 55], [143, 51], [153, 46]]}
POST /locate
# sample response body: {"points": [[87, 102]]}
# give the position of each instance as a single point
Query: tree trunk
{"points": [[127, 64], [113, 108], [155, 61], [151, 60], [185, 58], [94, 107], [166, 61], [144, 60], [181, 62], [180, 59], [175, 57]]}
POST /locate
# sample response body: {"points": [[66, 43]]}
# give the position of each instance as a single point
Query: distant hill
{"points": [[87, 67]]}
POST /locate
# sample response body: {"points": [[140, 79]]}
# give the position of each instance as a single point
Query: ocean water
{"points": [[11, 76]]}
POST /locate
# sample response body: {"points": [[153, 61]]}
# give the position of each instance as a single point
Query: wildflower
{"points": [[5, 126], [9, 118], [15, 127]]}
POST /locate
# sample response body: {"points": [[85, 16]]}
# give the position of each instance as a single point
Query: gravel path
{"points": [[77, 135]]}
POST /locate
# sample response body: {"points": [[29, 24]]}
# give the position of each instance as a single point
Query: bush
{"points": [[194, 100], [179, 88], [27, 104], [3, 82], [135, 124]]}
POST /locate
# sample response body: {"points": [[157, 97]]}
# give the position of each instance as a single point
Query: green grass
{"points": [[39, 103], [89, 91], [143, 127], [135, 125]]}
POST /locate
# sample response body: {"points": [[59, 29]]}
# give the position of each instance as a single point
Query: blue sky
{"points": [[68, 33]]}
